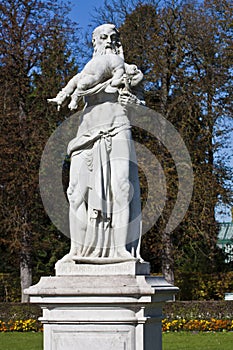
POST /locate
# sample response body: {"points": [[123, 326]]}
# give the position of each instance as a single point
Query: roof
{"points": [[225, 235]]}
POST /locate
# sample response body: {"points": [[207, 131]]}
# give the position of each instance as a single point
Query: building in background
{"points": [[225, 239]]}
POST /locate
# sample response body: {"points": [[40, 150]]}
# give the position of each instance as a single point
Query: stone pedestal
{"points": [[100, 307]]}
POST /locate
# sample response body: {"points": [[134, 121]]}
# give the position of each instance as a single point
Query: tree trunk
{"points": [[25, 265], [167, 259], [25, 279]]}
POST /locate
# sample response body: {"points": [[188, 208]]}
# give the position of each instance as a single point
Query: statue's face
{"points": [[106, 40]]}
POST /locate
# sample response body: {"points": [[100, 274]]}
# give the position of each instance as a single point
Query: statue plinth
{"points": [[102, 267], [118, 310]]}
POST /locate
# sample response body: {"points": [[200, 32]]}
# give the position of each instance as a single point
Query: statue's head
{"points": [[106, 39]]}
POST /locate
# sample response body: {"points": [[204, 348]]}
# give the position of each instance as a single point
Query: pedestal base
{"points": [[113, 312], [106, 267]]}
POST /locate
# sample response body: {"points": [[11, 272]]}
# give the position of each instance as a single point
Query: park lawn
{"points": [[21, 341], [171, 341], [197, 341]]}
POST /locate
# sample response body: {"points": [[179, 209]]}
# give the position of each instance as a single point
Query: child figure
{"points": [[110, 69]]}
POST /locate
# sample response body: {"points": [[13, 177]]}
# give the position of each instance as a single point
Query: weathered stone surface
{"points": [[102, 312], [104, 267]]}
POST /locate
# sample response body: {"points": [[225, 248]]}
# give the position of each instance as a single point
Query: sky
{"points": [[82, 9]]}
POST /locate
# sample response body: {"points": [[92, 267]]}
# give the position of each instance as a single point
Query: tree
{"points": [[184, 51], [31, 29]]}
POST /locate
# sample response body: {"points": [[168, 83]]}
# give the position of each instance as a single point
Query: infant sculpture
{"points": [[103, 192]]}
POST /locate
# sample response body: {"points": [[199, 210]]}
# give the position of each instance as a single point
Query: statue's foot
{"points": [[95, 254], [68, 258], [123, 254]]}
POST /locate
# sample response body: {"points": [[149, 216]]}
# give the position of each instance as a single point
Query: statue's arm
{"points": [[118, 76], [66, 91]]}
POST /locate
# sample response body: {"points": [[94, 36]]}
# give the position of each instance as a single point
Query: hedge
{"points": [[221, 309], [172, 310], [214, 316]]}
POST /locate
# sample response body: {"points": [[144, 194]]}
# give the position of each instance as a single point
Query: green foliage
{"points": [[184, 50], [172, 310], [19, 311], [30, 72], [9, 287], [205, 310], [199, 286]]}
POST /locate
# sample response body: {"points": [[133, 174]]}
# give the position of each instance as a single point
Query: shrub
{"points": [[197, 286], [198, 310]]}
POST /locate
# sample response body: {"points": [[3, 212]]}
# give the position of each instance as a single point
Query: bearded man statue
{"points": [[103, 192]]}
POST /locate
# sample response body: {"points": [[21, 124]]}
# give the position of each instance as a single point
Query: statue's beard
{"points": [[102, 50]]}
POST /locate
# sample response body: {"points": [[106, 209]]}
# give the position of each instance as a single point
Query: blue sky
{"points": [[82, 9]]}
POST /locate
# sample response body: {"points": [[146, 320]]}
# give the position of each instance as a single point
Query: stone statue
{"points": [[103, 192]]}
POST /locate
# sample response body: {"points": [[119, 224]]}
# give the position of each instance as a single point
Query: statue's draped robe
{"points": [[102, 124]]}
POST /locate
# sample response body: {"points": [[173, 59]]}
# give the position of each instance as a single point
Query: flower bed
{"points": [[29, 325], [176, 325], [212, 325], [191, 316]]}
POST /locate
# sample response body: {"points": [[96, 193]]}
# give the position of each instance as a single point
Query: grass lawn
{"points": [[198, 341], [21, 341], [171, 341]]}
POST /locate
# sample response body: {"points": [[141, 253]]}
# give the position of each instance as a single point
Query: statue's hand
{"points": [[59, 99], [55, 100], [127, 98], [73, 105]]}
